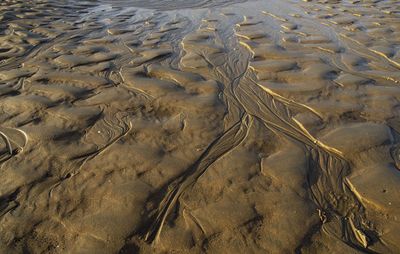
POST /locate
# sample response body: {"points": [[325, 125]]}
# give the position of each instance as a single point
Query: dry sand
{"points": [[199, 126]]}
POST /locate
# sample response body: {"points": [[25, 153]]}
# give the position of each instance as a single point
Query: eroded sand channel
{"points": [[199, 126]]}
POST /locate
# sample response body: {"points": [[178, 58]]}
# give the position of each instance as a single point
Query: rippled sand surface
{"points": [[199, 126]]}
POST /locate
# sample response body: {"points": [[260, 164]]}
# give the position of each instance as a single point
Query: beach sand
{"points": [[199, 126]]}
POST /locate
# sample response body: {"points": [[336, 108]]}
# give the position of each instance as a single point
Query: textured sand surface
{"points": [[199, 126]]}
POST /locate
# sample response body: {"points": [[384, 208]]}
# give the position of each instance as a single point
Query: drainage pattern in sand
{"points": [[199, 126]]}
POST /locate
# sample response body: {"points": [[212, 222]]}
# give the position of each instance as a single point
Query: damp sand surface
{"points": [[207, 126]]}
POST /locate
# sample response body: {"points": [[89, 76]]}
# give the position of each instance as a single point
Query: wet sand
{"points": [[200, 126]]}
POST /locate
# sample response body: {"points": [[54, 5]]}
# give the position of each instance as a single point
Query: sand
{"points": [[199, 126]]}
